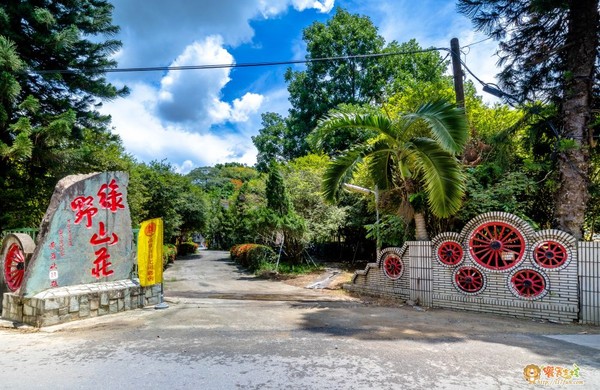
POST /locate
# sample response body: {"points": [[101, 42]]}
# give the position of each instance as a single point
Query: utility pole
{"points": [[457, 73]]}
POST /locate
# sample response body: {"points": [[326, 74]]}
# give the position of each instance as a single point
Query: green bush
{"points": [[169, 254], [185, 248], [251, 256]]}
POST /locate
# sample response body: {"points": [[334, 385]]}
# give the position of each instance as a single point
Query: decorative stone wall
{"points": [[496, 264], [499, 264], [384, 278], [64, 304]]}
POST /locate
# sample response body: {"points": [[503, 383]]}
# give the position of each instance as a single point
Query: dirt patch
{"points": [[336, 283]]}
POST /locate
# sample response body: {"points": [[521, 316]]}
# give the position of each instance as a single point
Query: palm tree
{"points": [[419, 160]]}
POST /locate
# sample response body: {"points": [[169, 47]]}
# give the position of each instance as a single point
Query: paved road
{"points": [[226, 329]]}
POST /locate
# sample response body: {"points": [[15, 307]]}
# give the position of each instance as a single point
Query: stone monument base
{"points": [[64, 304]]}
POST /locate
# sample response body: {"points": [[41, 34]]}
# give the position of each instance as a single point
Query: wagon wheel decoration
{"points": [[393, 266], [450, 253], [496, 246], [528, 283], [550, 254], [469, 279], [14, 267], [17, 249]]}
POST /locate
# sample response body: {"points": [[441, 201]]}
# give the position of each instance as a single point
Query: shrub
{"points": [[186, 248], [169, 254], [252, 255]]}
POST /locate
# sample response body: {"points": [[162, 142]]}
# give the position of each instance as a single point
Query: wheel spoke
{"points": [[491, 240], [392, 266], [469, 279], [13, 267], [528, 283], [550, 254]]}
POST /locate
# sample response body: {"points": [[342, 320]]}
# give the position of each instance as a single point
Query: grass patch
{"points": [[268, 268]]}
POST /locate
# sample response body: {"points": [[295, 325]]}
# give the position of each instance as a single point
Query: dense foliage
{"points": [[549, 51], [48, 120], [385, 124], [49, 126], [251, 256]]}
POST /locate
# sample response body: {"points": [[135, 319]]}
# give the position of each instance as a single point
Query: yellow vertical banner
{"points": [[150, 251]]}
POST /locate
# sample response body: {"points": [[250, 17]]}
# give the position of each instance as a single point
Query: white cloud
{"points": [[154, 32], [191, 96], [147, 138], [242, 108], [194, 97], [321, 6], [271, 8], [185, 167]]}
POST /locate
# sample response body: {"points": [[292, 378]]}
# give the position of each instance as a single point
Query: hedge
{"points": [[169, 254], [252, 255], [185, 248]]}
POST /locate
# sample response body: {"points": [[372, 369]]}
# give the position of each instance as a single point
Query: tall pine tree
{"points": [[45, 113]]}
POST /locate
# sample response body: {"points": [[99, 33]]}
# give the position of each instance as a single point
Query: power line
{"points": [[476, 43], [229, 66]]}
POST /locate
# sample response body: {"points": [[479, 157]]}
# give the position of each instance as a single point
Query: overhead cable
{"points": [[226, 66]]}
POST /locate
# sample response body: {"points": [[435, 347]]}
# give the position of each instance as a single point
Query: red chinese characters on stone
{"points": [[101, 263], [101, 237], [84, 208], [110, 197]]}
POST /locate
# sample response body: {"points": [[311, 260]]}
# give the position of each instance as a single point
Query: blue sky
{"points": [[204, 117]]}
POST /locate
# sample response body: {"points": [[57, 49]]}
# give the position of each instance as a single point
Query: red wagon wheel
{"points": [[393, 266], [16, 251], [14, 267], [550, 254], [497, 245], [528, 283], [469, 279], [450, 253]]}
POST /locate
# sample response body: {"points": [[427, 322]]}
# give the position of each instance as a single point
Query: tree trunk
{"points": [[580, 56], [420, 228]]}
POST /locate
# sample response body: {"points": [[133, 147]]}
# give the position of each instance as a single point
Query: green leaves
{"points": [[448, 124], [339, 171], [395, 158], [442, 176], [9, 59]]}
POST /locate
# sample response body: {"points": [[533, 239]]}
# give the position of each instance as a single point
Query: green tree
{"points": [[278, 199], [413, 70], [402, 156], [270, 141], [222, 180], [303, 181], [549, 50], [162, 193], [63, 35], [326, 84], [46, 117], [279, 217]]}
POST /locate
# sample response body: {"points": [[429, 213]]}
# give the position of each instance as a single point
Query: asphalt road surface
{"points": [[226, 329]]}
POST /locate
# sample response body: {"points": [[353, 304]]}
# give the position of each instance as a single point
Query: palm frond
{"points": [[340, 120], [382, 164], [443, 179], [448, 124], [339, 171]]}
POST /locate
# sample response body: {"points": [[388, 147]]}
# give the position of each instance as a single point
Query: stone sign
{"points": [[85, 236]]}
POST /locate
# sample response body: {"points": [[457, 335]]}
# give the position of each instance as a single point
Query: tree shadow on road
{"points": [[441, 326]]}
